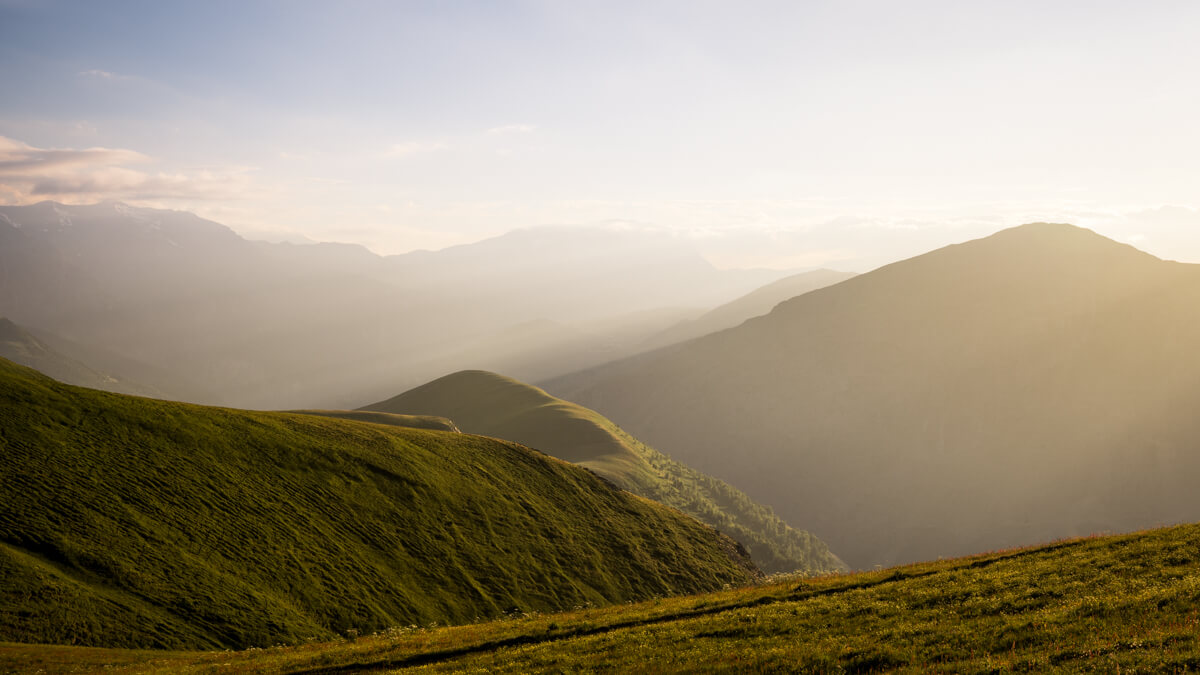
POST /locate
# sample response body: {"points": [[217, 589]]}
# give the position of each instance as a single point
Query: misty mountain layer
{"points": [[282, 326], [756, 303]]}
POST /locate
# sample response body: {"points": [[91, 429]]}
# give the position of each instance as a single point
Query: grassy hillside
{"points": [[1112, 604], [494, 405], [136, 522], [1035, 384]]}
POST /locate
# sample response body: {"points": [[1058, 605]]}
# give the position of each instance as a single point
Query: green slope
{"points": [[494, 405], [390, 419], [137, 522], [1112, 604]]}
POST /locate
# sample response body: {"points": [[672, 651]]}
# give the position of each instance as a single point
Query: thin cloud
{"points": [[513, 129], [100, 74], [414, 147], [28, 173], [17, 158]]}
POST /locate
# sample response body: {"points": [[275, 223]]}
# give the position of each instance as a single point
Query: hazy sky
{"points": [[792, 133]]}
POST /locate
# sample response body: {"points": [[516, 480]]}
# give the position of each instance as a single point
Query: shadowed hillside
{"points": [[136, 522], [494, 405], [1038, 383], [20, 346]]}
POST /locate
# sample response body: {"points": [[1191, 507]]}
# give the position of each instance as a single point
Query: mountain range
{"points": [[1035, 384], [264, 325], [1038, 380]]}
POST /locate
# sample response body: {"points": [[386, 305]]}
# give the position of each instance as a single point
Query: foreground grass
{"points": [[1127, 603]]}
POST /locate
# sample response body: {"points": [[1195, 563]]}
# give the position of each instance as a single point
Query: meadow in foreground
{"points": [[1128, 603]]}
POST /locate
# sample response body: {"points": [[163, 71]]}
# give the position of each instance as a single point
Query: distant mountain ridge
{"points": [[490, 404], [1035, 384], [134, 522], [329, 325], [756, 303]]}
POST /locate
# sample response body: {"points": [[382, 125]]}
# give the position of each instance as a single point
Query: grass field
{"points": [[1128, 603], [142, 523]]}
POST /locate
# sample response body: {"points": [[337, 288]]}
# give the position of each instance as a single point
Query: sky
{"points": [[782, 134]]}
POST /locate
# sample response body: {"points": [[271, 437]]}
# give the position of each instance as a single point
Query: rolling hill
{"points": [[494, 405], [1034, 384], [142, 523], [1122, 603]]}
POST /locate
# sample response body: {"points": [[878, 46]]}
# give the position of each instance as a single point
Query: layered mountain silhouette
{"points": [[1035, 384], [493, 405], [755, 303], [284, 326], [576, 273], [135, 522]]}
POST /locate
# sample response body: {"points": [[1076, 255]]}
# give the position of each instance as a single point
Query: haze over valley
{"points": [[279, 325]]}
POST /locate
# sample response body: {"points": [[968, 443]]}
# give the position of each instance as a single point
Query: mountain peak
{"points": [[1061, 238], [1048, 266], [1039, 252], [1042, 227], [467, 390]]}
